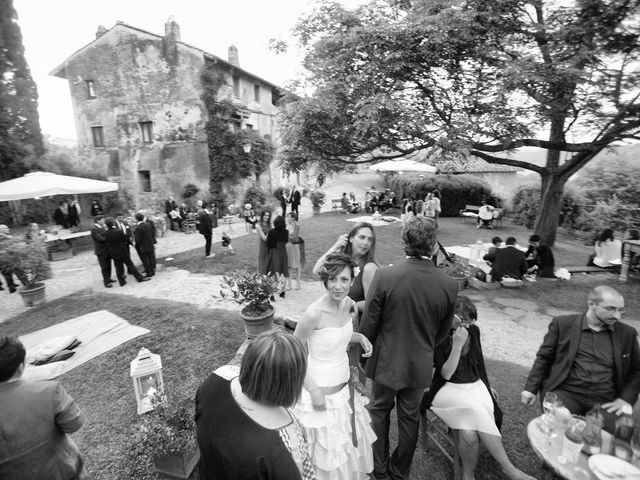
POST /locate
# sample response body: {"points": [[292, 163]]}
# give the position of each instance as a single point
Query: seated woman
{"points": [[460, 394], [244, 428], [607, 249]]}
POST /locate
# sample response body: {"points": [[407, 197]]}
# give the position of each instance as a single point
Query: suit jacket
{"points": [[144, 237], [169, 205], [544, 259], [295, 198], [126, 231], [99, 240], [555, 357], [204, 222], [408, 312], [507, 261], [116, 244], [149, 222]]}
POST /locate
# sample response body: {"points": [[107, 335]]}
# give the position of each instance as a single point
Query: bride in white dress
{"points": [[334, 415]]}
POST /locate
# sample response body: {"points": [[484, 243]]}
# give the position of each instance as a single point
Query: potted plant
{"points": [[317, 198], [459, 270], [59, 250], [254, 291], [166, 439], [30, 263]]}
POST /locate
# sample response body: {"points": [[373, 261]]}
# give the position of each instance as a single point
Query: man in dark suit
{"points": [[408, 311], [154, 234], [294, 200], [117, 248], [169, 205], [144, 244], [507, 262], [98, 231], [589, 358], [204, 225], [123, 226]]}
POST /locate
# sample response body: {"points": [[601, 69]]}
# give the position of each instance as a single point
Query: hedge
{"points": [[456, 191]]}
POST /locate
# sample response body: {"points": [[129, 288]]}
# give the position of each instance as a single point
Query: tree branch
{"points": [[507, 161]]}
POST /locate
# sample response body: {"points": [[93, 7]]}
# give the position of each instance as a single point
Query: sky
{"points": [[53, 30]]}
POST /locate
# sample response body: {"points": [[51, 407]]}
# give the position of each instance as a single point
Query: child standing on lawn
{"points": [[226, 242]]}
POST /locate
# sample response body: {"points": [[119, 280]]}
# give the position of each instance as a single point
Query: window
{"points": [[98, 136], [146, 130], [248, 126], [256, 93], [144, 179], [236, 86], [91, 92], [236, 122]]}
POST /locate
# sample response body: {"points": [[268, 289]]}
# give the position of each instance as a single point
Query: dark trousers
{"points": [[8, 277], [581, 403], [105, 267], [408, 410], [146, 259], [131, 268], [207, 243]]}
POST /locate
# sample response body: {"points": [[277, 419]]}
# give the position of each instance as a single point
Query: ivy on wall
{"points": [[228, 161]]}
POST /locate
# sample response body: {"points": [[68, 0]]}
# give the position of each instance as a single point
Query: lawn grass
{"points": [[192, 342]]}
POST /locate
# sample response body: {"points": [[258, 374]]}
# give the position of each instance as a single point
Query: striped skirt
{"points": [[466, 406]]}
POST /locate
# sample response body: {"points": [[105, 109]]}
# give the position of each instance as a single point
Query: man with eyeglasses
{"points": [[589, 358]]}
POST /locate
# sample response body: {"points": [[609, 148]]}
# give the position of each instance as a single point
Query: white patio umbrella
{"points": [[45, 184], [403, 165]]}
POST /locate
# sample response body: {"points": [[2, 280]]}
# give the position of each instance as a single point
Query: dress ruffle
{"points": [[329, 433]]}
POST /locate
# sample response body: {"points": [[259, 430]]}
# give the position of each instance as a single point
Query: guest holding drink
{"points": [[462, 397]]}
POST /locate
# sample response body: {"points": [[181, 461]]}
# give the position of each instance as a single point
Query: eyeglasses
{"points": [[463, 321], [614, 309]]}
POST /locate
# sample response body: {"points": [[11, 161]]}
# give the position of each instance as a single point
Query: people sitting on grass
{"points": [[539, 258], [507, 262], [485, 216], [35, 418], [607, 250], [461, 396], [496, 243]]}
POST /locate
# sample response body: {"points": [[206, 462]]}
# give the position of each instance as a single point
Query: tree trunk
{"points": [[549, 214]]}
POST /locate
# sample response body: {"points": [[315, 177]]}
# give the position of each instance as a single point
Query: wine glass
{"points": [[549, 404]]}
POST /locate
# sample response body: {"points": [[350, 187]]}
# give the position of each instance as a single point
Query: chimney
{"points": [[169, 42], [101, 31], [232, 55], [172, 29]]}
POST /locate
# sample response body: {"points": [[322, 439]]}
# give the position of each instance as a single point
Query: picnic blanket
{"points": [[98, 331], [376, 222]]}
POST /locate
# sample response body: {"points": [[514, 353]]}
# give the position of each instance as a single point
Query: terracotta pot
{"points": [[316, 210], [255, 325], [177, 464], [33, 296]]}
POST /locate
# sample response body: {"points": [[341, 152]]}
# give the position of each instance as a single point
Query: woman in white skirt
{"points": [[460, 394], [333, 413]]}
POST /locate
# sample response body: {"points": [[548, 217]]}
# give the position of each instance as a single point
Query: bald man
{"points": [[589, 358]]}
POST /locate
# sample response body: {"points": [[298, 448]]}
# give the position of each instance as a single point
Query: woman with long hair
{"points": [[277, 263], [607, 249], [437, 204], [295, 249], [461, 396], [334, 416]]}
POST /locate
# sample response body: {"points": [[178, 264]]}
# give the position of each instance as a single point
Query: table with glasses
{"points": [[549, 449]]}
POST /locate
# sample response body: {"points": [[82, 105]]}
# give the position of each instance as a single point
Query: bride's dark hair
{"points": [[334, 264]]}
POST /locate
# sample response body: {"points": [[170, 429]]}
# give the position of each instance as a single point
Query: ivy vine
{"points": [[227, 158]]}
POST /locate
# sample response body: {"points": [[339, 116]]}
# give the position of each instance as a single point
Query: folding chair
{"points": [[189, 223], [444, 438]]}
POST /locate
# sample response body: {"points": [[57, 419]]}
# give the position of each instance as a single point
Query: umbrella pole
{"points": [[48, 208]]}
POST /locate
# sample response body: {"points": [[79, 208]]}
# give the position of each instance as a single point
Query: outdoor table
{"points": [[50, 237], [629, 247], [549, 452]]}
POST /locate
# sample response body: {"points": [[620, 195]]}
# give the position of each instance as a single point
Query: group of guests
{"points": [[349, 203], [112, 238], [281, 248], [430, 207], [291, 197], [509, 261], [380, 202], [179, 216], [67, 214]]}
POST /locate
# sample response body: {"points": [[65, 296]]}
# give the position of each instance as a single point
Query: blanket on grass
{"points": [[98, 332]]}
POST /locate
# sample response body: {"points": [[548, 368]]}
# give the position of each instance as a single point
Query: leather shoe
{"points": [[144, 279], [123, 284], [108, 285], [111, 280]]}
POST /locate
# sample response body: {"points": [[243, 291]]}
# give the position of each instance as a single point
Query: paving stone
{"points": [[537, 321], [554, 312], [517, 303], [516, 314]]}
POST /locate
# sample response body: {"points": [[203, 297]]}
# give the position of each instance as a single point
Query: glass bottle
{"points": [[624, 431], [592, 435]]}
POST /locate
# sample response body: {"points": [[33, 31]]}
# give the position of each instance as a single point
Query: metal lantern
{"points": [[246, 146], [146, 373]]}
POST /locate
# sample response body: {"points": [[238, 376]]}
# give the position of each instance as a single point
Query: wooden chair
{"points": [[189, 224], [444, 438]]}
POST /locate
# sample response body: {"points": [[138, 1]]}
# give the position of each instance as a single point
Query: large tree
{"points": [[469, 77], [20, 135]]}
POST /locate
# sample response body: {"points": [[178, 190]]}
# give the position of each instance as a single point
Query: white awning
{"points": [[45, 184]]}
